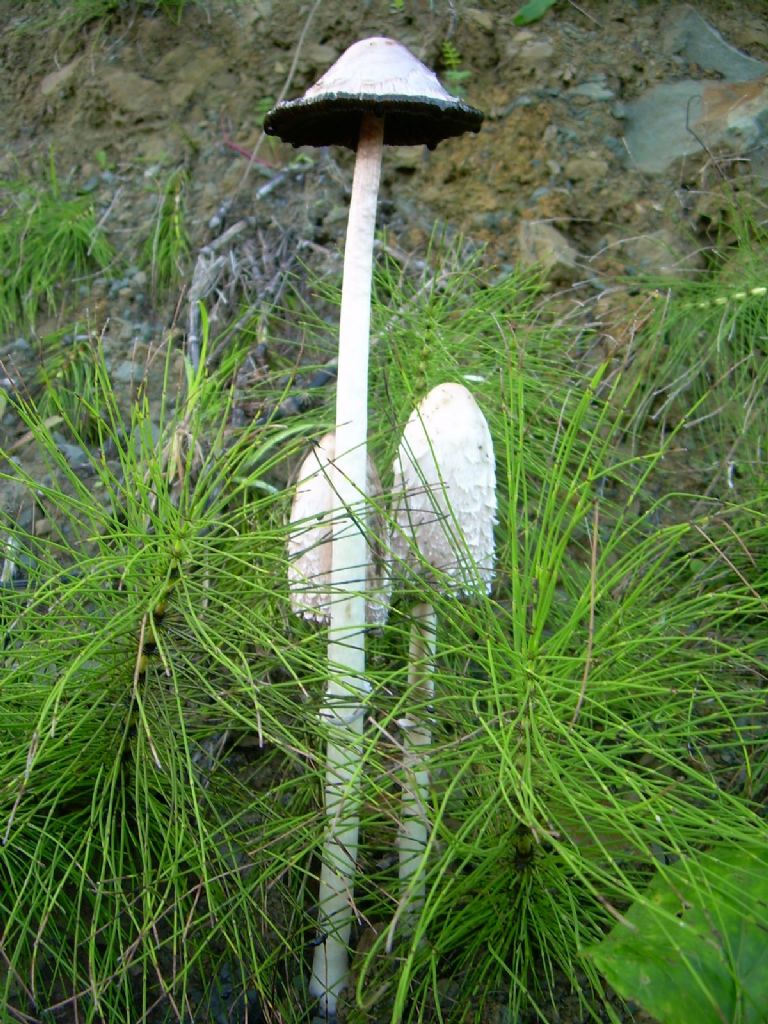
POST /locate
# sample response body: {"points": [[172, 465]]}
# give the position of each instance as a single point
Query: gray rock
{"points": [[127, 330], [528, 49], [588, 168], [14, 495], [127, 372], [133, 95], [677, 119], [661, 252], [56, 81], [73, 453], [689, 34], [483, 19], [680, 118], [542, 245], [594, 90]]}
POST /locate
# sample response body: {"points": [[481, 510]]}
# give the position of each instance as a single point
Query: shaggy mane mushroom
{"points": [[310, 539], [444, 508]]}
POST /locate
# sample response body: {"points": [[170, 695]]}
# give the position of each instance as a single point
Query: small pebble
{"points": [[127, 372], [593, 91]]}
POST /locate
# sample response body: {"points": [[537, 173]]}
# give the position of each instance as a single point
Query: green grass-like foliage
{"points": [[701, 363], [73, 16], [68, 379], [595, 717], [598, 716], [149, 634], [47, 241], [582, 713], [166, 251]]}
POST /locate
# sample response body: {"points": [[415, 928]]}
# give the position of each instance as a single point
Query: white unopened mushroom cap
{"points": [[379, 76], [314, 510], [444, 491]]}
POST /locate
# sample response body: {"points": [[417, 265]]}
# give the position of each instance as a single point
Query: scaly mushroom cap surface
{"points": [[444, 491], [313, 511], [379, 76]]}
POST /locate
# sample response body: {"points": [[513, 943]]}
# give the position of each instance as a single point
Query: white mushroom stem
{"points": [[347, 687], [417, 735]]}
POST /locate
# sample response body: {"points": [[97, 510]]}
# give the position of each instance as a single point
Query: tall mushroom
{"points": [[444, 508], [377, 93]]}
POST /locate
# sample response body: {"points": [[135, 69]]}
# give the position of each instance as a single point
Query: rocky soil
{"points": [[615, 137], [614, 134], [573, 107]]}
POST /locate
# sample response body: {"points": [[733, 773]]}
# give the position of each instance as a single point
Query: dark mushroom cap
{"points": [[379, 76]]}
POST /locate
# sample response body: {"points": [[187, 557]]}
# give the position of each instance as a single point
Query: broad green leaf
{"points": [[695, 947], [532, 11]]}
